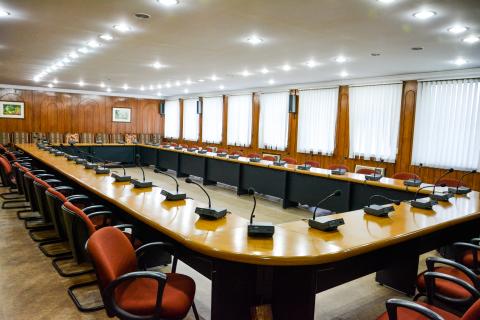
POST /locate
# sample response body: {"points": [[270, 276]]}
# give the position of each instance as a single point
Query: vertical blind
{"points": [[190, 120], [447, 124], [239, 124], [273, 129], [374, 113], [212, 120], [172, 119], [317, 118]]}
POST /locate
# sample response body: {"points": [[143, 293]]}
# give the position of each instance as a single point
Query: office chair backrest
{"points": [[290, 160], [473, 313], [312, 163], [254, 155], [28, 179], [78, 228], [55, 200], [39, 187], [365, 171], [269, 158], [340, 166], [405, 176], [451, 183]]}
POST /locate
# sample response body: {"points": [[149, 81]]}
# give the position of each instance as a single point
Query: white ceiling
{"points": [[198, 38]]}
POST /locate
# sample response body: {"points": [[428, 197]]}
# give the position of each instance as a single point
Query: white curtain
{"points": [[190, 120], [212, 120], [172, 119], [273, 130], [374, 113], [447, 124], [239, 130], [317, 119]]}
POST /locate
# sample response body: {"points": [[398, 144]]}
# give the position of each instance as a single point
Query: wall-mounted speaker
{"points": [[199, 107], [292, 103], [161, 108]]}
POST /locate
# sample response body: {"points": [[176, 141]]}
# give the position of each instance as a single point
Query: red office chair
{"points": [[453, 183], [290, 160], [237, 152], [9, 180], [312, 163], [254, 155], [131, 294], [405, 176], [344, 167], [221, 150], [211, 149], [365, 171], [269, 158]]}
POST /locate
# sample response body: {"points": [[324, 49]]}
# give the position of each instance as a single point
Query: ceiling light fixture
{"points": [[344, 74], [125, 87], [264, 71], [185, 90], [471, 39], [4, 13], [423, 15], [157, 65], [36, 78], [460, 61], [55, 81], [102, 85], [189, 82], [254, 40], [201, 80], [81, 83], [340, 59], [177, 83], [122, 27], [83, 50], [93, 44], [106, 37], [159, 86], [311, 63], [168, 3], [457, 29], [386, 1], [246, 73], [159, 94], [286, 67], [271, 81], [142, 88], [50, 85], [221, 87], [73, 55], [150, 88], [168, 85], [214, 77], [109, 90]]}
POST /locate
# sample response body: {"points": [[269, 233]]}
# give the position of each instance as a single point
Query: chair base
{"points": [[15, 195], [75, 300], [49, 254], [33, 234], [22, 206], [68, 274]]}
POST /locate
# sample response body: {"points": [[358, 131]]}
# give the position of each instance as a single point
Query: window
{"points": [[212, 120], [172, 119], [317, 119], [447, 124], [239, 131], [273, 130], [374, 121], [190, 120]]}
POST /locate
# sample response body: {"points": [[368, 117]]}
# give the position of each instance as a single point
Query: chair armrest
{"points": [[53, 182], [45, 175], [104, 214], [37, 171], [63, 188], [432, 291], [475, 241], [148, 255], [94, 207], [123, 227], [394, 304], [432, 261], [161, 278], [75, 197], [461, 247]]}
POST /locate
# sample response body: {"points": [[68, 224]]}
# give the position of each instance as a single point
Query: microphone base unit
{"points": [[373, 177], [261, 230], [255, 159], [221, 155], [279, 163], [166, 146], [202, 151], [90, 165], [71, 158], [210, 214], [233, 156], [141, 184], [178, 148], [102, 170], [378, 211], [59, 153], [459, 190], [52, 151], [325, 224], [155, 144], [173, 196], [412, 182], [340, 172], [424, 203], [192, 149], [441, 196], [80, 161], [305, 167], [119, 178], [99, 142]]}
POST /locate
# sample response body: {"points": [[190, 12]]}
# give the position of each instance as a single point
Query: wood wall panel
{"points": [[67, 112]]}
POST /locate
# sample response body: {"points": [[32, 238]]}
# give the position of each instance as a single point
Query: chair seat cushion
{"points": [[467, 258], [140, 295], [444, 287], [407, 314]]}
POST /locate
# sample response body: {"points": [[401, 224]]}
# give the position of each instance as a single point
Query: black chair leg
{"points": [[77, 303], [68, 274], [195, 312]]}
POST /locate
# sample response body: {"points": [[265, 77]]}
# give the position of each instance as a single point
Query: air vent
{"points": [[142, 15]]}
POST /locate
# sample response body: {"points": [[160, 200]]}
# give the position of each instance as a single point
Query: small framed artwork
{"points": [[121, 114], [12, 109]]}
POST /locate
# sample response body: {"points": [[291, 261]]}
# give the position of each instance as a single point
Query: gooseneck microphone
{"points": [[374, 176], [258, 229], [461, 189], [425, 203], [140, 184], [78, 159], [414, 182], [380, 210], [441, 196], [325, 223], [441, 177], [171, 196], [207, 213]]}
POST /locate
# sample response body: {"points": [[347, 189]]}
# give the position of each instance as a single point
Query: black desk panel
{"points": [[167, 160], [148, 155], [75, 150], [360, 194], [263, 180], [123, 154], [192, 164], [223, 171], [307, 189]]}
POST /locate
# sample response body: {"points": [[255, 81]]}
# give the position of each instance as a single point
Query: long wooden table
{"points": [[298, 262]]}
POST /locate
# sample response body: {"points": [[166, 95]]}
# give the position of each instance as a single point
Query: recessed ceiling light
{"points": [[214, 77], [177, 83], [221, 87], [50, 85], [73, 55], [83, 50], [340, 59], [168, 85], [422, 15], [81, 83], [109, 90], [93, 44], [36, 78], [254, 40], [386, 1], [54, 67], [59, 64], [185, 90], [48, 70], [142, 88], [122, 27], [55, 81], [271, 81], [159, 86], [4, 13], [168, 2], [125, 87], [159, 94], [246, 73], [264, 70], [150, 88], [157, 65], [344, 74], [142, 15], [460, 61], [286, 67], [66, 60], [457, 29], [106, 37], [311, 63], [201, 80], [471, 39], [102, 84], [189, 82]]}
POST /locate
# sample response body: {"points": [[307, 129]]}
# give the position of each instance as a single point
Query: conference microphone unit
{"points": [[255, 159], [380, 210], [192, 149], [414, 182], [424, 203], [258, 229], [460, 189], [78, 159], [325, 223], [179, 147], [202, 151], [168, 195], [120, 178], [374, 176], [279, 163], [222, 154], [102, 169], [137, 183], [339, 171], [441, 196], [207, 213], [305, 167], [233, 156]]}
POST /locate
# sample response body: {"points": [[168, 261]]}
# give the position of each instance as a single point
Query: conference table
{"points": [[287, 270]]}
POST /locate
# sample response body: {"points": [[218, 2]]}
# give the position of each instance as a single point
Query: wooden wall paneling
{"points": [[225, 121], [255, 121], [293, 128]]}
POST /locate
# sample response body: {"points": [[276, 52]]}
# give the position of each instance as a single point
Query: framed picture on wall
{"points": [[121, 114], [12, 109]]}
